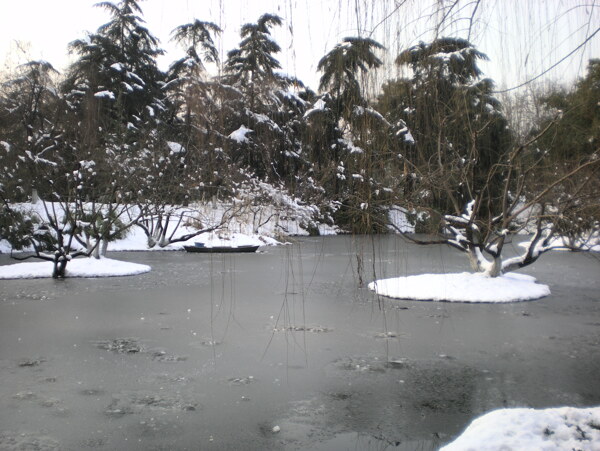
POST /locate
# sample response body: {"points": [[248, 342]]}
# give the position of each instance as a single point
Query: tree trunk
{"points": [[103, 247], [151, 242], [495, 268], [88, 245], [480, 264], [474, 262], [96, 252], [60, 265]]}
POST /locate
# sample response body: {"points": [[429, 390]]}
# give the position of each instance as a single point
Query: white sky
{"points": [[521, 37]]}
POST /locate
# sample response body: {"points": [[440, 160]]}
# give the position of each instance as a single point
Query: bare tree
{"points": [[557, 205]]}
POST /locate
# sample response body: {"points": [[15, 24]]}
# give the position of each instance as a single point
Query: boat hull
{"points": [[221, 249]]}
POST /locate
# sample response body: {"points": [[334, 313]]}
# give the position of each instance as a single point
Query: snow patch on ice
{"points": [[79, 267], [462, 287], [548, 429]]}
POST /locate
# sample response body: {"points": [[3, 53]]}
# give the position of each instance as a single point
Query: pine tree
{"points": [[348, 133], [258, 101], [117, 109], [115, 83], [342, 68], [192, 94], [577, 133], [251, 66], [188, 81], [31, 142], [572, 121], [453, 127]]}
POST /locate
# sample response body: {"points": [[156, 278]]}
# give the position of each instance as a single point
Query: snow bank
{"points": [[136, 240], [279, 216], [550, 429], [5, 247], [462, 287], [235, 240], [79, 267], [399, 221]]}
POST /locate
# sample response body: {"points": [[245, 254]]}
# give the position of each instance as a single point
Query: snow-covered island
{"points": [[78, 267], [462, 287]]}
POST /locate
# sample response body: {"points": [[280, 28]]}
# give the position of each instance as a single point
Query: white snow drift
{"points": [[462, 287], [557, 429], [78, 267]]}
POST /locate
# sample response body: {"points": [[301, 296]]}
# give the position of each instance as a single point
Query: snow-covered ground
{"points": [[136, 240], [247, 224], [564, 428], [590, 244], [78, 267], [399, 220], [462, 287], [278, 217]]}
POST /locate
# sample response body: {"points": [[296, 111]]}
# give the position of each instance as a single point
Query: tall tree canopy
{"points": [[453, 126], [31, 134], [341, 69], [116, 72], [252, 64]]}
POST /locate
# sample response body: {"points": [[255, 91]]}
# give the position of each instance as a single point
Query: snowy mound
{"points": [[463, 287], [234, 240], [549, 429], [79, 267], [136, 240]]}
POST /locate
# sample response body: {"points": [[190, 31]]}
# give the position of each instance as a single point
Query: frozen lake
{"points": [[214, 352]]}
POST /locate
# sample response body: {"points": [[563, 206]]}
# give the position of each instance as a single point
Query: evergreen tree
{"points": [[193, 95], [115, 84], [116, 106], [251, 66], [31, 135], [260, 104], [348, 134], [453, 128], [572, 139], [342, 68], [577, 133], [188, 81]]}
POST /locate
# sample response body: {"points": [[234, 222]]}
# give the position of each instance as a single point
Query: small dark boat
{"points": [[200, 247]]}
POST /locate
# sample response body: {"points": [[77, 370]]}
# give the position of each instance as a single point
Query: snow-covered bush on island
{"points": [[60, 231]]}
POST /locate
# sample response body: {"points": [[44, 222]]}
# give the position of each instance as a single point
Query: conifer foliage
{"points": [[453, 127], [115, 142]]}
